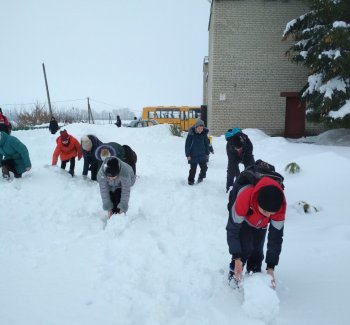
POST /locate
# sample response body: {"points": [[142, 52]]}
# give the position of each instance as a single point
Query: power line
{"points": [[57, 101], [67, 101], [104, 103]]}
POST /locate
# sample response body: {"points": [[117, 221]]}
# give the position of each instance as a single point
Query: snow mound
{"points": [[260, 300]]}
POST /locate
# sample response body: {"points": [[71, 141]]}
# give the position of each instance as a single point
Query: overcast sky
{"points": [[128, 53]]}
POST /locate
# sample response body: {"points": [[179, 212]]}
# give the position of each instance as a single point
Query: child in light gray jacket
{"points": [[115, 178]]}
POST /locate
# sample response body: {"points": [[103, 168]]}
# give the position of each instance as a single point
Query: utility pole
{"points": [[47, 91], [90, 112]]}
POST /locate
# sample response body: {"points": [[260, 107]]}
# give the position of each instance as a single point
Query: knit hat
{"points": [[231, 132], [86, 143], [199, 122], [103, 151], [270, 198], [112, 167], [64, 135]]}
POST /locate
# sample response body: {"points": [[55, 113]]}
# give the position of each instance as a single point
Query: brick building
{"points": [[247, 77]]}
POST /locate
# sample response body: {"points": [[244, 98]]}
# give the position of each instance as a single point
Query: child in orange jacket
{"points": [[67, 148]]}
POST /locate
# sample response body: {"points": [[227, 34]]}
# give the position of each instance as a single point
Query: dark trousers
{"points": [[115, 198], [71, 166], [92, 165], [233, 165], [252, 245], [9, 166], [202, 174], [93, 169]]}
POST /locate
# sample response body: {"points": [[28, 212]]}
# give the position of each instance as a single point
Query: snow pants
{"points": [[115, 198], [8, 165], [252, 244], [203, 173], [71, 166]]}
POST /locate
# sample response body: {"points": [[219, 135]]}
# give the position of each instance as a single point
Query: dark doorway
{"points": [[294, 126]]}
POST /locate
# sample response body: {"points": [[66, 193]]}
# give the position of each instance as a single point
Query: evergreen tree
{"points": [[322, 44]]}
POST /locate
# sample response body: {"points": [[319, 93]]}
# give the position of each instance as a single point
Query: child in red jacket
{"points": [[4, 123], [67, 148]]}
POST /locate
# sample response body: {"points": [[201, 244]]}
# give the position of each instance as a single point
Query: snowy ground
{"points": [[166, 261]]}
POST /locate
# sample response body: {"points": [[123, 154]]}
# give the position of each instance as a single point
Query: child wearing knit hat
{"points": [[197, 151], [257, 209], [67, 148], [115, 179]]}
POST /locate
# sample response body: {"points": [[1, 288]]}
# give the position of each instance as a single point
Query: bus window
{"points": [[172, 114], [184, 116], [194, 113]]}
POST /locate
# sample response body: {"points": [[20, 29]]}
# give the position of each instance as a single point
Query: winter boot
{"points": [[5, 172], [71, 172], [190, 182]]}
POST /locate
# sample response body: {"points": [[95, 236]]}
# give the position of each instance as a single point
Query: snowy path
{"points": [[165, 262]]}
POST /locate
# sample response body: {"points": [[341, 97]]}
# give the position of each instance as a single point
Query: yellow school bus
{"points": [[183, 116]]}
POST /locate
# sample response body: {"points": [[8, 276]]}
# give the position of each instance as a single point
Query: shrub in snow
{"points": [[307, 207], [292, 168], [175, 130]]}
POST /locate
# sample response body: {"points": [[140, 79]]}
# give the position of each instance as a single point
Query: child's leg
{"points": [[115, 198], [71, 166], [9, 166], [203, 172], [63, 164], [192, 174], [94, 171]]}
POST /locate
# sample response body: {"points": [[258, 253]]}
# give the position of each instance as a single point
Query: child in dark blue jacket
{"points": [[197, 151]]}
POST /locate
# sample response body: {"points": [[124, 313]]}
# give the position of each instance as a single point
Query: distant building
{"points": [[247, 79]]}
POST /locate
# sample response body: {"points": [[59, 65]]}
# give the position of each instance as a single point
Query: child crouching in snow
{"points": [[67, 148], [115, 179]]}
